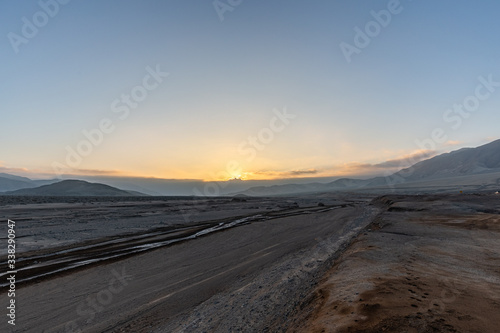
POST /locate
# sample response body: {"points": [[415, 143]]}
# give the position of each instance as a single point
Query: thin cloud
{"points": [[96, 172], [353, 168], [394, 164], [453, 143], [407, 160], [284, 174], [303, 172], [346, 169], [13, 170], [25, 172]]}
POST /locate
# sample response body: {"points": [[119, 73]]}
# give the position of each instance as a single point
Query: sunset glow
{"points": [[178, 93]]}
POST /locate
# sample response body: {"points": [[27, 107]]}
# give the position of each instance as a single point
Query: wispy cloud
{"points": [[5, 169], [96, 172], [394, 164], [285, 174], [491, 138], [351, 169], [406, 160], [345, 169], [453, 143], [303, 172], [40, 173]]}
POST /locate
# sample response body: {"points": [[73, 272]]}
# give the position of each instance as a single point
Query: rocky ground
{"points": [[427, 264], [44, 223], [326, 263], [248, 276]]}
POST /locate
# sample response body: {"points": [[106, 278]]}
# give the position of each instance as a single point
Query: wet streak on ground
{"points": [[32, 268], [168, 282]]}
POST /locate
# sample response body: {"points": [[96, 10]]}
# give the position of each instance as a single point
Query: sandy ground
{"points": [[428, 264], [251, 275]]}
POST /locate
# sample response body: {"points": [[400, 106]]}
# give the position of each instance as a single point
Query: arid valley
{"points": [[249, 166], [334, 263]]}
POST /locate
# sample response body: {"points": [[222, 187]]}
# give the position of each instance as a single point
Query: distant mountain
{"points": [[40, 182], [18, 178], [74, 188], [463, 162], [283, 189], [11, 183]]}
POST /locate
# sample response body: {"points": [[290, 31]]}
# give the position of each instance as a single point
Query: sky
{"points": [[239, 89]]}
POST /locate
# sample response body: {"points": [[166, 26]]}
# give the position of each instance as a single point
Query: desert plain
{"points": [[335, 262]]}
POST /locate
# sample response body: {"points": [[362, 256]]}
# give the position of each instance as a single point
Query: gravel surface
{"points": [[428, 264]]}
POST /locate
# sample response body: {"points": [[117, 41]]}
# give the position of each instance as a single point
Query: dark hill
{"points": [[74, 188]]}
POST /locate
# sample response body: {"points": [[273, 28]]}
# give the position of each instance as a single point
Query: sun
{"points": [[235, 177], [238, 176]]}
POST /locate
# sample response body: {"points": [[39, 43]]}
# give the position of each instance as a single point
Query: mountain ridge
{"points": [[73, 187], [10, 182], [458, 163]]}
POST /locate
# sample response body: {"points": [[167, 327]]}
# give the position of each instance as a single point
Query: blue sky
{"points": [[228, 78]]}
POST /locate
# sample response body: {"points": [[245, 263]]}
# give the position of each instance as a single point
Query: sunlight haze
{"points": [[266, 90]]}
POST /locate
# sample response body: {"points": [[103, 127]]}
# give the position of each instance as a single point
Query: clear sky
{"points": [[255, 89]]}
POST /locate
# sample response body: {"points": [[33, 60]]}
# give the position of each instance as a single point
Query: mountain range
{"points": [[465, 161], [449, 168], [10, 182], [476, 166]]}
